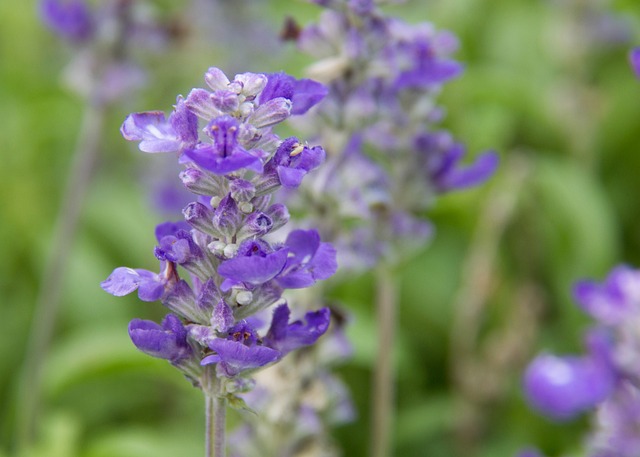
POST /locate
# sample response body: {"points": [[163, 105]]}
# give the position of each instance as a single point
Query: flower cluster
{"points": [[606, 378], [386, 158], [104, 38], [233, 162]]}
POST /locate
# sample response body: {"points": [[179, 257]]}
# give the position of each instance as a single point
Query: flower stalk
{"points": [[387, 301]]}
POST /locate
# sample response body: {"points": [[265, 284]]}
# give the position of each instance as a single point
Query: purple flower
{"points": [[224, 154], [441, 156], [151, 286], [613, 301], [303, 93], [156, 134], [175, 244], [286, 337], [563, 387], [168, 341], [239, 352], [428, 69], [71, 19], [255, 263], [292, 161], [309, 260], [634, 58]]}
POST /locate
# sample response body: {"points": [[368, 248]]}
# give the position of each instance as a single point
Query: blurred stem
{"points": [[384, 372], [473, 296], [48, 298]]}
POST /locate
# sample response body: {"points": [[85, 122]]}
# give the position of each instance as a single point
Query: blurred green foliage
{"points": [[534, 88]]}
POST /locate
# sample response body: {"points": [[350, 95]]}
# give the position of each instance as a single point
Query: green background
{"points": [[561, 106]]}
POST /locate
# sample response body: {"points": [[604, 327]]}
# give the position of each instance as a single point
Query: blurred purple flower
{"points": [[634, 58], [71, 19], [440, 157], [563, 387], [613, 301]]}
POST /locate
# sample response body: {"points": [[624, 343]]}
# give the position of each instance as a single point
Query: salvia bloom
{"points": [[605, 379], [233, 162], [387, 162]]}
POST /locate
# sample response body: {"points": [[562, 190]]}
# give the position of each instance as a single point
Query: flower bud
{"points": [[227, 218], [199, 217]]}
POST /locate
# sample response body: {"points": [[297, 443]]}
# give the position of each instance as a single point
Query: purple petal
{"points": [[206, 157], [287, 337], [152, 130], [612, 301], [634, 58], [471, 175], [299, 279], [429, 73], [278, 85], [303, 243], [254, 269], [235, 357], [562, 387], [324, 263], [150, 290], [167, 341], [170, 229], [308, 93], [121, 281], [290, 177], [303, 93]]}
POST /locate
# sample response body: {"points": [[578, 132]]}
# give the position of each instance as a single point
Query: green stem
{"points": [[220, 412], [384, 371], [215, 416], [50, 290]]}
